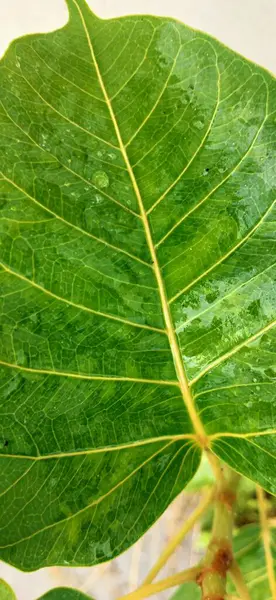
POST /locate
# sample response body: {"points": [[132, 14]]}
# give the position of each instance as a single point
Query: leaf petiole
{"points": [[154, 588], [238, 580], [219, 554]]}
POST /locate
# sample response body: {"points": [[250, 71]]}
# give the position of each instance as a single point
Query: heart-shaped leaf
{"points": [[64, 593], [137, 191]]}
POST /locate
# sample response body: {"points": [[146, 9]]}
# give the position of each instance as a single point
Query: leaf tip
{"points": [[75, 6]]}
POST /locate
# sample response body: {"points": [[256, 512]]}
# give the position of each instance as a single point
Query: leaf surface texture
{"points": [[138, 189]]}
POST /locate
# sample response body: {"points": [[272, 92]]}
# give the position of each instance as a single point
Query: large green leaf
{"points": [[6, 592], [137, 190], [64, 593], [249, 551], [249, 548]]}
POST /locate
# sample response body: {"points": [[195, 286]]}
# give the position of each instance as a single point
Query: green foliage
{"points": [[248, 545], [64, 594], [138, 189], [188, 591], [6, 592]]}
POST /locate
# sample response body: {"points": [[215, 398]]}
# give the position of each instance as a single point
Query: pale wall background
{"points": [[247, 26]]}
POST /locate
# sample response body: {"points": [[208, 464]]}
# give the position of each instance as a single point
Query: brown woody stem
{"points": [[219, 555]]}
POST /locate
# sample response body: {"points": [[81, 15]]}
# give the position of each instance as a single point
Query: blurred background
{"points": [[249, 28]]}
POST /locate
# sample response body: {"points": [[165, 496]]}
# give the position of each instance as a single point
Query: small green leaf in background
{"points": [[6, 592], [64, 593], [187, 591], [137, 192], [204, 476], [249, 549]]}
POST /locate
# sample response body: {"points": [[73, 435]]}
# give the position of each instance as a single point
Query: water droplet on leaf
{"points": [[100, 179], [198, 124]]}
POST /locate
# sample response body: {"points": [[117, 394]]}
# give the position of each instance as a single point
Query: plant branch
{"points": [[177, 539], [266, 540], [219, 554], [238, 580], [149, 590]]}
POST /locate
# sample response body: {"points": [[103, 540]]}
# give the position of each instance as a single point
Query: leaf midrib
{"points": [[182, 382], [175, 350]]}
